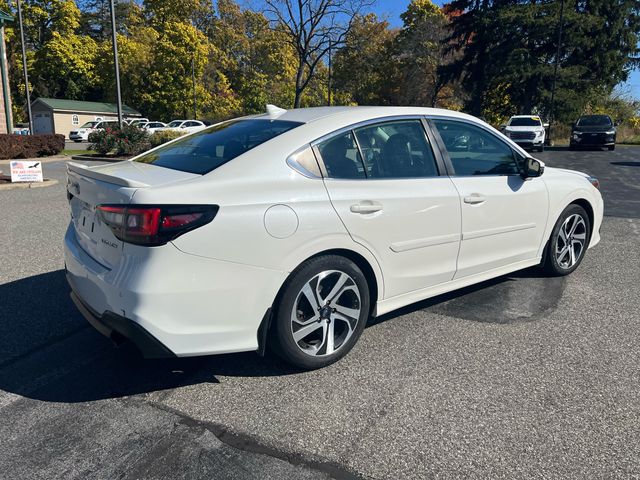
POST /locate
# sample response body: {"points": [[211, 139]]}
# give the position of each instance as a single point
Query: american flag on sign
{"points": [[17, 165]]}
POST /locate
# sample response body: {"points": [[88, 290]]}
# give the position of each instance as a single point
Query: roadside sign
{"points": [[29, 171]]}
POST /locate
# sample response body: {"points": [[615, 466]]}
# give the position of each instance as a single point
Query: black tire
{"points": [[541, 148], [612, 148], [550, 262], [297, 353]]}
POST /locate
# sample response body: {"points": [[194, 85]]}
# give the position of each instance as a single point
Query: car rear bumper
{"points": [[189, 304], [119, 328]]}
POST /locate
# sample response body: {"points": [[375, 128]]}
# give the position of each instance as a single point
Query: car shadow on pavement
{"points": [[50, 353], [626, 164]]}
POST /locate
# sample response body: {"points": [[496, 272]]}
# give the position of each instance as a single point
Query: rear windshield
{"points": [[206, 150], [525, 122], [594, 121]]}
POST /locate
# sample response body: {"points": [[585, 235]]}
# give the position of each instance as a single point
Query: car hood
{"points": [[596, 129], [554, 171], [524, 129]]}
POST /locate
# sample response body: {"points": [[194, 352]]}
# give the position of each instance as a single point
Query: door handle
{"points": [[365, 207], [474, 199]]}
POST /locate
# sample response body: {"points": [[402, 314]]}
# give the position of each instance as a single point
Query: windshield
{"points": [[175, 123], [525, 122], [89, 125], [594, 121], [206, 150]]}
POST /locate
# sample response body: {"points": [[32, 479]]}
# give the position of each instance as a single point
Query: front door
{"points": [[503, 215], [384, 183]]}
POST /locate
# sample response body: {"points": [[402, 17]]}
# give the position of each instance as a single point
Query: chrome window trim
{"points": [[373, 121], [305, 172]]}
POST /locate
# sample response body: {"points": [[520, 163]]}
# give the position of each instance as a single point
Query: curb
{"points": [[48, 182]]}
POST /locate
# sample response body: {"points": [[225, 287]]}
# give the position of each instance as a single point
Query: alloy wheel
{"points": [[571, 241], [325, 313]]}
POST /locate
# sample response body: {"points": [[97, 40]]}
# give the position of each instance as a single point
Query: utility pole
{"points": [[329, 79], [115, 62], [555, 68], [193, 80], [24, 68]]}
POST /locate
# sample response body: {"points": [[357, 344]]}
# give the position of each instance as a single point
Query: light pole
{"points": [[193, 80], [115, 62], [555, 68], [24, 68]]}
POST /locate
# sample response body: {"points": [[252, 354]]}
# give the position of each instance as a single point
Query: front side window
{"points": [[474, 151], [89, 125], [207, 149], [175, 124], [397, 149]]}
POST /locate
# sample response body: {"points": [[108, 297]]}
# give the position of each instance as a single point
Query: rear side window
{"points": [[397, 149], [341, 157], [206, 150]]}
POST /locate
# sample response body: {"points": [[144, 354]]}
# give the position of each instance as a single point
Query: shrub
{"points": [[30, 146], [128, 140], [164, 136]]}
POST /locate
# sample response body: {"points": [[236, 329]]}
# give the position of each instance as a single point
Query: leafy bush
{"points": [[128, 140], [164, 136], [30, 146]]}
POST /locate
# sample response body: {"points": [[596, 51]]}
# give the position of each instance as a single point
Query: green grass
{"points": [[77, 152]]}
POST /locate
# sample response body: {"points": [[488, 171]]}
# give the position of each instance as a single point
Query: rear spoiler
{"points": [[105, 177]]}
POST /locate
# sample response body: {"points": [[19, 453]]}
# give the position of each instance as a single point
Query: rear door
{"points": [[384, 182], [503, 215]]}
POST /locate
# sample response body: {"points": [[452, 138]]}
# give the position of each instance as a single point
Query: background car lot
{"points": [[520, 377]]}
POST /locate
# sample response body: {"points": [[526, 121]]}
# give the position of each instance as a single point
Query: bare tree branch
{"points": [[313, 28]]}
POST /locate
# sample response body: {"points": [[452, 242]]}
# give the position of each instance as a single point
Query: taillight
{"points": [[154, 225]]}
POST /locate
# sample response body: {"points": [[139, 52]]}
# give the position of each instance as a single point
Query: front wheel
{"points": [[612, 147], [321, 313], [568, 243]]}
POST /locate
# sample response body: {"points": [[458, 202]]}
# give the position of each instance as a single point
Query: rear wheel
{"points": [[321, 313], [568, 243]]}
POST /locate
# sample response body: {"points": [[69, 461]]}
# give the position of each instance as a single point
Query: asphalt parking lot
{"points": [[520, 377]]}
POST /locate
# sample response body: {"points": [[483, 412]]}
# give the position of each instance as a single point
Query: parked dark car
{"points": [[593, 131]]}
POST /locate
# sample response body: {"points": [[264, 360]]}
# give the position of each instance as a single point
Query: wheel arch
{"points": [[355, 257]]}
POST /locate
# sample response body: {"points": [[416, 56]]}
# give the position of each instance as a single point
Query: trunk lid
{"points": [[115, 183]]}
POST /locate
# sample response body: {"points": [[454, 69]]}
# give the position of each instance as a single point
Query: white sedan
{"points": [[289, 230], [185, 126], [152, 127]]}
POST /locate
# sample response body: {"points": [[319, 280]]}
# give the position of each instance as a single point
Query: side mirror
{"points": [[532, 168], [183, 126], [615, 124], [503, 126]]}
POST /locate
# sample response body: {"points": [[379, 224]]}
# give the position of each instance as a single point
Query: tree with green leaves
{"points": [[363, 65], [511, 46]]}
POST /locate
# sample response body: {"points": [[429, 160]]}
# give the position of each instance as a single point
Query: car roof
{"points": [[313, 114], [525, 116]]}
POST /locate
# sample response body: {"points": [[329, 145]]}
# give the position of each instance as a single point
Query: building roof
{"points": [[5, 17], [81, 106]]}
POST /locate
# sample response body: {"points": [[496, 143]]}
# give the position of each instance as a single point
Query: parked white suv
{"points": [[528, 131], [290, 230]]}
